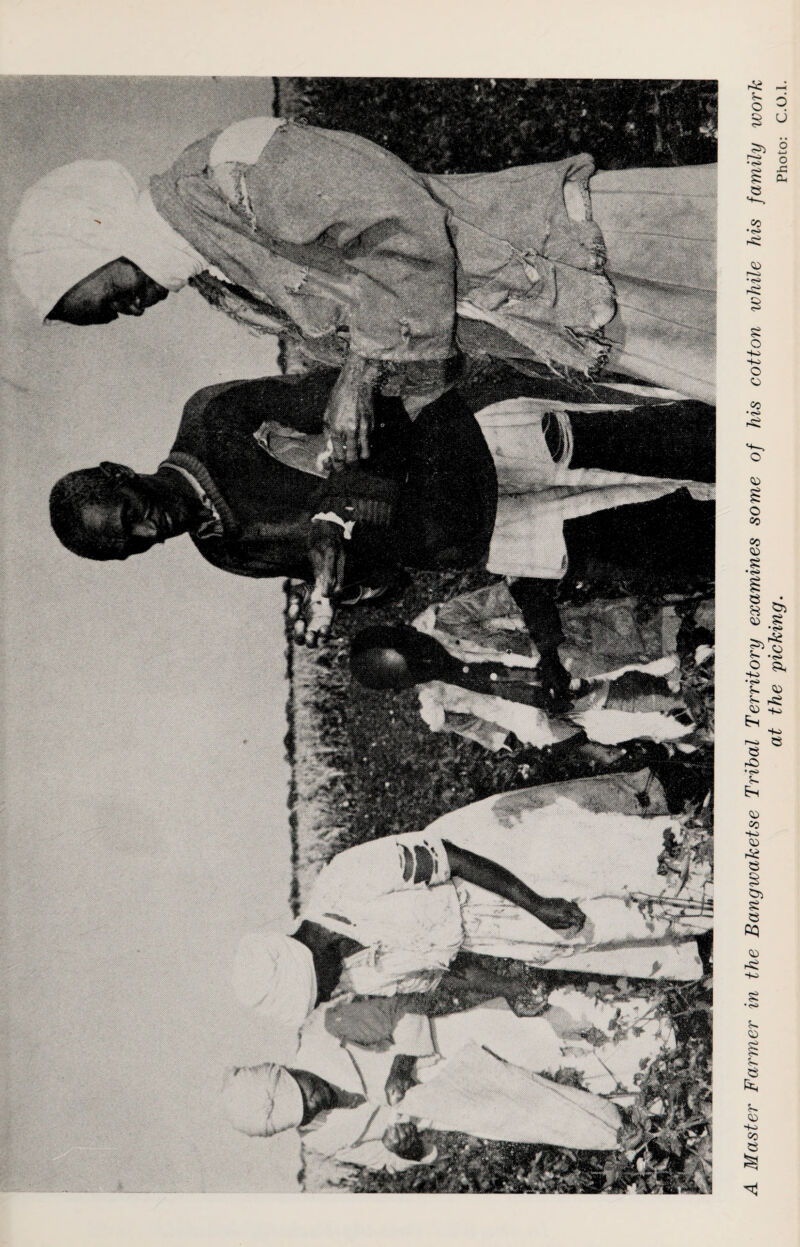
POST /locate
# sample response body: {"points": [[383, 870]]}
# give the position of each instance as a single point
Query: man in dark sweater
{"points": [[243, 479], [252, 494]]}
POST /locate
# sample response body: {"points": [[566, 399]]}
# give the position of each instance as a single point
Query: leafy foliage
{"points": [[468, 125], [664, 1144]]}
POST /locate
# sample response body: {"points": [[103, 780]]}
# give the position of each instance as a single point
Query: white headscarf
{"points": [[82, 216], [262, 1099], [274, 974]]}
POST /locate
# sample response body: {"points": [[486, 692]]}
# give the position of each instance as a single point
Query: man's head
{"points": [[118, 288], [111, 512], [396, 657]]}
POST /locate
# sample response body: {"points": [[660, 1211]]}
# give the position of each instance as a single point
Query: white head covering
{"points": [[274, 974], [262, 1099], [82, 216]]}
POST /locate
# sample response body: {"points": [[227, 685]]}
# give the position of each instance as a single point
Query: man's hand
{"points": [[560, 915], [401, 1078], [403, 1139], [312, 612], [350, 413]]}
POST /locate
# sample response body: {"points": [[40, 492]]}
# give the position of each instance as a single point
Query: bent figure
{"points": [[477, 670], [327, 238], [391, 915], [370, 1074]]}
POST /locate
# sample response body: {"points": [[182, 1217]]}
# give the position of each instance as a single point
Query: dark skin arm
{"points": [[350, 413], [554, 912], [327, 552], [368, 501], [402, 1075], [536, 600]]}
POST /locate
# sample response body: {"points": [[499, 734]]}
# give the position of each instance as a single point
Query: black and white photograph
{"points": [[360, 460]]}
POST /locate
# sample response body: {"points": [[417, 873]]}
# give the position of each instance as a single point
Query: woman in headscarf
{"points": [[370, 1074], [393, 914], [327, 238]]}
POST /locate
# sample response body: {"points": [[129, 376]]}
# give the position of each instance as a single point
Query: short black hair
{"points": [[68, 497], [425, 658], [384, 636]]}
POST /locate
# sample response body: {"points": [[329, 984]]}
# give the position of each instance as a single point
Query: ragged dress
{"points": [[338, 242], [335, 243]]}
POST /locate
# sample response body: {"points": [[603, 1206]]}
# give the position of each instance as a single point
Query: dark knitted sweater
{"points": [[427, 496]]}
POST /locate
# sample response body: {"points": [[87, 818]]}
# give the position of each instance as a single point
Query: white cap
{"points": [[274, 974], [262, 1099]]}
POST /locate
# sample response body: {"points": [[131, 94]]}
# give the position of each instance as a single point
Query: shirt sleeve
{"points": [[420, 860], [381, 1023], [318, 187], [377, 868], [367, 1021], [296, 402]]}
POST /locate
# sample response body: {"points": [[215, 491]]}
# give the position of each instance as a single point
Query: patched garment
{"points": [[341, 241], [602, 640], [330, 240], [660, 231]]}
